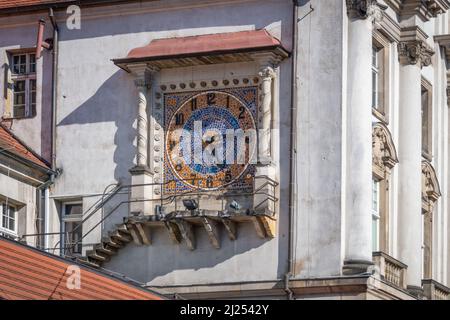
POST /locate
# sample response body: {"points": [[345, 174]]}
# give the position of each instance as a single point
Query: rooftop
{"points": [[10, 143], [30, 274]]}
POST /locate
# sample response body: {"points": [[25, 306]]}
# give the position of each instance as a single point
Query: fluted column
{"points": [[358, 248], [413, 54]]}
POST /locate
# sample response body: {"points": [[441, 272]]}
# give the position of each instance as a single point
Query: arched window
{"points": [[430, 194], [384, 158]]}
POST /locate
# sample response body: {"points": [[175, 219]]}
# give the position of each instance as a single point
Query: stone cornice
{"points": [[389, 28], [413, 47], [424, 9]]}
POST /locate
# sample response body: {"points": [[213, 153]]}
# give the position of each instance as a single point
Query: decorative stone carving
{"points": [[363, 9], [267, 74], [431, 191], [142, 137], [415, 52], [384, 154]]}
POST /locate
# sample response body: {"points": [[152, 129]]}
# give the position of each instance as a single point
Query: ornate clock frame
{"points": [[151, 202]]}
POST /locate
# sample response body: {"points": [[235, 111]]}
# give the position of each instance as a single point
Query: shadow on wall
{"points": [[105, 106], [164, 263]]}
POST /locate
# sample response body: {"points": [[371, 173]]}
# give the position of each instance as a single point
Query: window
{"points": [[375, 77], [430, 195], [427, 119], [73, 230], [427, 243], [380, 76], [8, 221], [375, 215], [23, 78], [384, 158]]}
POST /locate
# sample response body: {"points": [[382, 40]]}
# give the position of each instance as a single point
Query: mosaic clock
{"points": [[209, 141]]}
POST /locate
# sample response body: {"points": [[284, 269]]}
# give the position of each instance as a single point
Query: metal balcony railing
{"points": [[265, 190]]}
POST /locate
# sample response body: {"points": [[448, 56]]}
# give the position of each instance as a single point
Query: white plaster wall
{"points": [[319, 221]]}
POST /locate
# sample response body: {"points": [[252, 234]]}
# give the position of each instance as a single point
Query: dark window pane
{"points": [[12, 225], [19, 111], [19, 86], [425, 120], [20, 64], [72, 209], [32, 63], [19, 98], [73, 234]]}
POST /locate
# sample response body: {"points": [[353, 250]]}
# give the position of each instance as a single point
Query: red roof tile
{"points": [[29, 274], [206, 44], [10, 143]]}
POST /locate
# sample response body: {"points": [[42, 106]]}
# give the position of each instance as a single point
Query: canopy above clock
{"points": [[242, 46]]}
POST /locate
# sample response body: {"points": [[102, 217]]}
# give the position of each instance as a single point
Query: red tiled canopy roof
{"points": [[209, 44], [10, 143], [29, 274]]}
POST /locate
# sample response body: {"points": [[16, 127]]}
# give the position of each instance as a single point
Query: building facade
{"points": [[347, 197], [23, 177]]}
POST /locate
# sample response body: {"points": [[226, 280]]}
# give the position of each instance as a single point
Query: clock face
{"points": [[210, 140]]}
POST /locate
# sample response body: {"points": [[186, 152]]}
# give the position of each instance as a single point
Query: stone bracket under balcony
{"points": [[181, 225]]}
